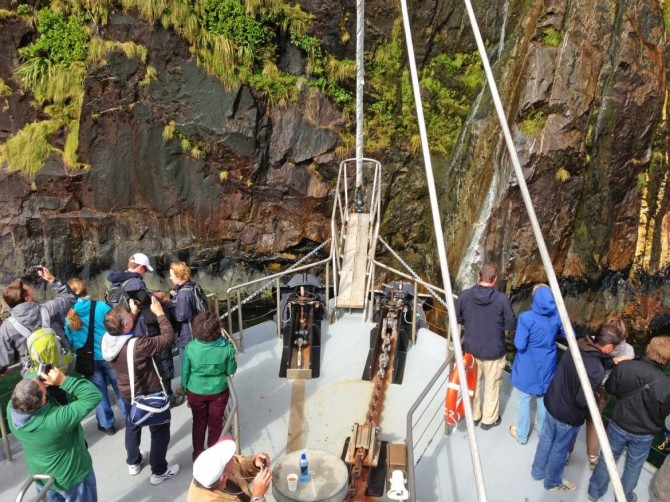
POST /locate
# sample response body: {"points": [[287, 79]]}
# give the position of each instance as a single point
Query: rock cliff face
{"points": [[584, 86]]}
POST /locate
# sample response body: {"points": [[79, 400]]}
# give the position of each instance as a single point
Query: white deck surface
{"points": [[332, 403]]}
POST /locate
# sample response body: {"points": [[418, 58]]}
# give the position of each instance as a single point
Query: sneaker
{"points": [[477, 422], [591, 499], [565, 486], [593, 460], [536, 426], [110, 431], [134, 470], [172, 470], [177, 401], [512, 431], [488, 426]]}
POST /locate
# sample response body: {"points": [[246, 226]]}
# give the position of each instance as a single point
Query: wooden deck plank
{"points": [[354, 263]]}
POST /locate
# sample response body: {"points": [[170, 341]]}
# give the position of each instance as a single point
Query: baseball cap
{"points": [[209, 466], [141, 259]]}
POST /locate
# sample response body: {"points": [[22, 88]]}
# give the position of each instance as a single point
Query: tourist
{"points": [[206, 364], [20, 298], [132, 282], [535, 361], [220, 475], [642, 390], [565, 402], [51, 434], [119, 323], [485, 314], [77, 324], [183, 308]]}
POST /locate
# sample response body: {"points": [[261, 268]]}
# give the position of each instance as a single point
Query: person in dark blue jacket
{"points": [[182, 305], [535, 361], [566, 406], [485, 314]]}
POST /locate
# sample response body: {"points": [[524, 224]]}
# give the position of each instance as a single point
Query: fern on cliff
{"points": [[30, 147]]}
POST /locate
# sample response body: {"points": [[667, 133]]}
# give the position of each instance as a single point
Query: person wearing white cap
{"points": [[221, 476], [132, 280]]}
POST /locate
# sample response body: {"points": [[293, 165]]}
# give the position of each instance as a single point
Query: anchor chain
{"points": [[389, 325]]}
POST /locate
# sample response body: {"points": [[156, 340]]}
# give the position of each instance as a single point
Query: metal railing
{"points": [[233, 414], [3, 428], [43, 493]]}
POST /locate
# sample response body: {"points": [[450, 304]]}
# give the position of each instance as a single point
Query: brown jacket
{"points": [[237, 488], [146, 379]]}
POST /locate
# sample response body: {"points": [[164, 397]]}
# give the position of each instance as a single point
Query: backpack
{"points": [[44, 346], [117, 296], [201, 303]]}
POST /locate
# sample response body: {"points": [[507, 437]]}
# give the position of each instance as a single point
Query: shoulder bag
{"points": [[84, 360]]}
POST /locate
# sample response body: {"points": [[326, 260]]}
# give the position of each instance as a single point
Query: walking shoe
{"points": [[172, 470], [134, 470], [177, 401], [591, 499], [477, 422], [565, 486], [110, 431], [593, 460], [512, 431], [488, 426]]}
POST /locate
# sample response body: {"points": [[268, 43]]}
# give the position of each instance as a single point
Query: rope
{"points": [[265, 286]]}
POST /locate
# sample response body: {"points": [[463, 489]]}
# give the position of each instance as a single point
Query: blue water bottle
{"points": [[304, 473]]}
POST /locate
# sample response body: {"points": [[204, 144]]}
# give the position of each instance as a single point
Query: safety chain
{"points": [[389, 325], [265, 286], [412, 272]]}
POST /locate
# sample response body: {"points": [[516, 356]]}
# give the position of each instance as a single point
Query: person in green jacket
{"points": [[51, 434], [206, 364]]}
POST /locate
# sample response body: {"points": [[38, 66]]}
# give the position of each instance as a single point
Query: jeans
{"points": [[103, 373], [160, 438], [552, 451], [208, 411], [638, 449], [86, 491], [523, 423]]}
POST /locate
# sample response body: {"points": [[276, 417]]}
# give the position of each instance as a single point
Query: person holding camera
{"points": [[25, 311], [221, 476], [119, 323], [51, 434]]}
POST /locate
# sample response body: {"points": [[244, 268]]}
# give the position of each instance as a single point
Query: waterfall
{"points": [[470, 264]]}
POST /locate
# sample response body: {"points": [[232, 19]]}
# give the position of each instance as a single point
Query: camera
{"points": [[44, 368], [35, 268], [264, 463]]}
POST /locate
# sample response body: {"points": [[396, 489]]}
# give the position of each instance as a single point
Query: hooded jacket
{"points": [[28, 314], [565, 399], [643, 392], [52, 437], [78, 338], [182, 310], [485, 314], [206, 366], [535, 340], [115, 350]]}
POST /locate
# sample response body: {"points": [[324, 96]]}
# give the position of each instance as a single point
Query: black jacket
{"points": [[485, 314], [642, 406], [565, 398]]}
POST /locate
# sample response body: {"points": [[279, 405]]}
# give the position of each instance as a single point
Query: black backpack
{"points": [[117, 296], [201, 303]]}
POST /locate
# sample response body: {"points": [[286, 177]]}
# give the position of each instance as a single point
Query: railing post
{"points": [[327, 306], [230, 320], [239, 320], [5, 438], [279, 312], [414, 307]]}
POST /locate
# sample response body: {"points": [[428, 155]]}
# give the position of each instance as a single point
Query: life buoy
{"points": [[454, 410]]}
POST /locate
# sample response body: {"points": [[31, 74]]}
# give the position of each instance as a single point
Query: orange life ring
{"points": [[454, 410]]}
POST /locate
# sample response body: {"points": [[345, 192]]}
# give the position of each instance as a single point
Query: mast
{"points": [[359, 205]]}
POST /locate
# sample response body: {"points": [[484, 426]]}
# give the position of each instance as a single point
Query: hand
{"points": [[54, 377], [618, 359], [262, 460], [261, 483], [45, 274], [156, 306], [134, 307], [160, 295]]}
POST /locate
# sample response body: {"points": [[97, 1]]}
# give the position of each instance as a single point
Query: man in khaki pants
{"points": [[486, 314]]}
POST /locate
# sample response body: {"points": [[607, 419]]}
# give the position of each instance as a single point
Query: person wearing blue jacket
{"points": [[486, 314], [76, 330], [535, 362]]}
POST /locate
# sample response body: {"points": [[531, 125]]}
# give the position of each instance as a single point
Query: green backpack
{"points": [[44, 346]]}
